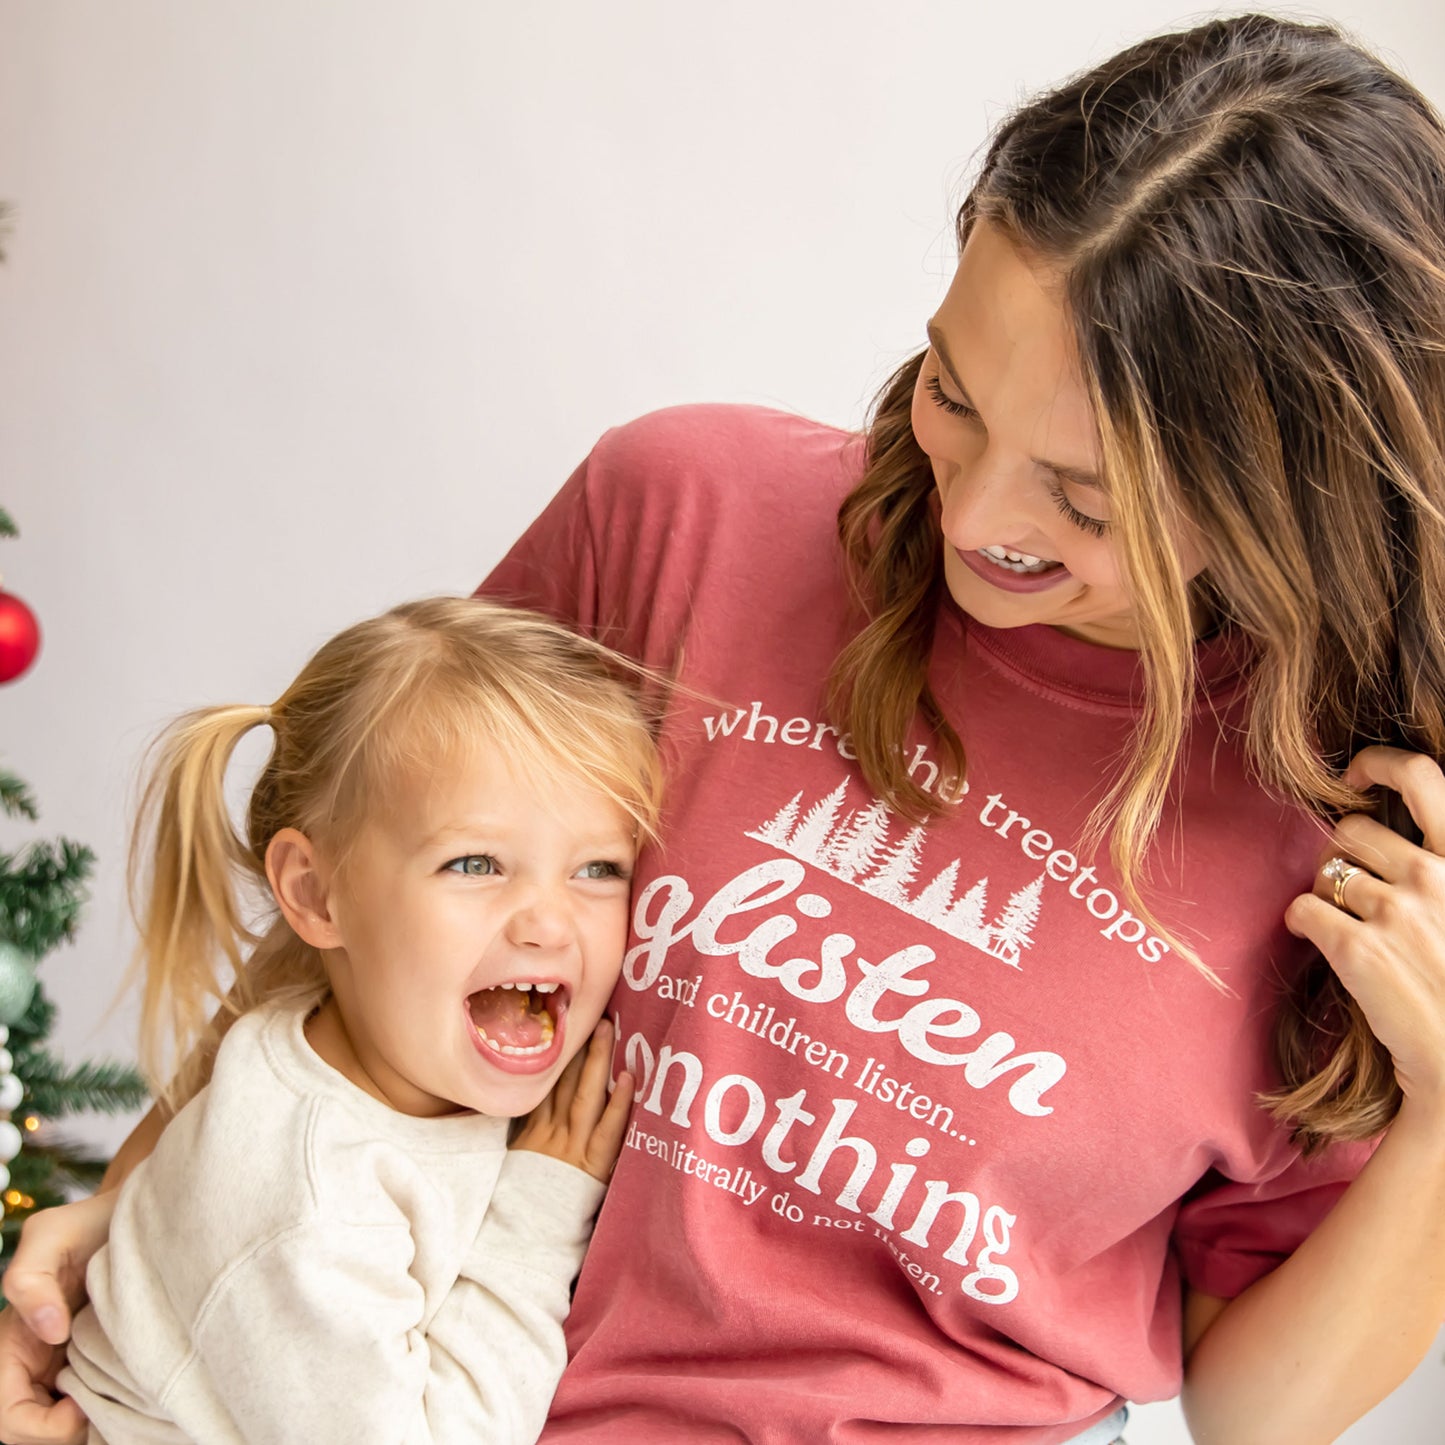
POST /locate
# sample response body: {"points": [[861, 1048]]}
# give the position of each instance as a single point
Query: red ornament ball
{"points": [[19, 637]]}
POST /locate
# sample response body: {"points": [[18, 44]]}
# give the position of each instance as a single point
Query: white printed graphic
{"points": [[858, 849]]}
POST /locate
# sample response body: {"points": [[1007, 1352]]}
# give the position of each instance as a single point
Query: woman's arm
{"points": [[1307, 1350], [43, 1286]]}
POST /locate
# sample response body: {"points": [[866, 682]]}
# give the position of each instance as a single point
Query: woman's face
{"points": [[1003, 415]]}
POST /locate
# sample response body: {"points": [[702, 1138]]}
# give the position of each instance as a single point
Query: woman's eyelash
{"points": [[1094, 526], [1085, 523], [955, 408]]}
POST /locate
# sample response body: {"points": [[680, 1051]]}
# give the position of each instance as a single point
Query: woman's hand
{"points": [[1386, 939], [45, 1285], [1311, 1346], [577, 1122]]}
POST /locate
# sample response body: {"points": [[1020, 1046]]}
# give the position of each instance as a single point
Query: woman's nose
{"points": [[985, 503]]}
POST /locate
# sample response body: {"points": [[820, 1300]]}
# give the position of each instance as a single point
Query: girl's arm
{"points": [[1307, 1350], [497, 1345]]}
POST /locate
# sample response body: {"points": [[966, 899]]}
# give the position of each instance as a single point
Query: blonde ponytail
{"points": [[189, 872]]}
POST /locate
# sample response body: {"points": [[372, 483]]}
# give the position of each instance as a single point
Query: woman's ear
{"points": [[302, 888]]}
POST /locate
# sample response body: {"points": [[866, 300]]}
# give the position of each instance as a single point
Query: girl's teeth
{"points": [[513, 1050]]}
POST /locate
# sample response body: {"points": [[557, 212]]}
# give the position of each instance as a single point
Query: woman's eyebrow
{"points": [[1080, 476], [935, 340]]}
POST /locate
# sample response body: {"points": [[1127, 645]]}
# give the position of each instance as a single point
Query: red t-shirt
{"points": [[929, 1124]]}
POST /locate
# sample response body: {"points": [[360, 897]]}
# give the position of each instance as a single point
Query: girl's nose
{"points": [[540, 920]]}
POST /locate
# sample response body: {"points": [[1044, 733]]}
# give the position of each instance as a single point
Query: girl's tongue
{"points": [[512, 1020]]}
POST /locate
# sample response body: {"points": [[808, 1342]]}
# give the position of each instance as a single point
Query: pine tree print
{"points": [[1011, 932], [890, 882], [934, 903], [965, 919], [778, 828], [809, 842], [857, 849]]}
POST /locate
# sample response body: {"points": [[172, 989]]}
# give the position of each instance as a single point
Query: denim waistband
{"points": [[1106, 1431]]}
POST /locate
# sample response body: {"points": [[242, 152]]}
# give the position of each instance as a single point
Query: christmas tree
{"points": [[42, 888]]}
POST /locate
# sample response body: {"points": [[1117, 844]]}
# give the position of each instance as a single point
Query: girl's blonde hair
{"points": [[403, 692], [1247, 223]]}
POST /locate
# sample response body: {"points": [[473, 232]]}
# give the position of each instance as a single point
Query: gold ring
{"points": [[1339, 872]]}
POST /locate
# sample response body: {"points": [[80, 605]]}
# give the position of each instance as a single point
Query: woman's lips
{"points": [[1008, 581]]}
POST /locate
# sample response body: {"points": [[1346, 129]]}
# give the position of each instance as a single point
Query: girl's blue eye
{"points": [[601, 868], [474, 865], [935, 390]]}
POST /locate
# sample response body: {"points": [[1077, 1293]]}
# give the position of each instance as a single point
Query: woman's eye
{"points": [[1094, 526], [935, 390], [601, 868], [474, 865]]}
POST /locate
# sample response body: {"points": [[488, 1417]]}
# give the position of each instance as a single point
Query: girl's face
{"points": [[482, 921], [1003, 415]]}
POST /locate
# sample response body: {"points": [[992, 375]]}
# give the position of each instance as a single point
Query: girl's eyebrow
{"points": [[1080, 476]]}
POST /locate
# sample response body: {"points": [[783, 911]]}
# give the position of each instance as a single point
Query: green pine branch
{"points": [[54, 1162], [16, 799], [34, 1025], [99, 1087], [7, 526], [41, 894]]}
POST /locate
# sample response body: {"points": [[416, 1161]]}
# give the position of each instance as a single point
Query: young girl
{"points": [[331, 1240]]}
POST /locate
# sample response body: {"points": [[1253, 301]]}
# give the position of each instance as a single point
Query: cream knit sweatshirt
{"points": [[298, 1262]]}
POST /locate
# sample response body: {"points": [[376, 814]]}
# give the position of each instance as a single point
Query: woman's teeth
{"points": [[1016, 561]]}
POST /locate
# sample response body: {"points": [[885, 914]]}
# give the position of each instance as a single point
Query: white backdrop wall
{"points": [[311, 304]]}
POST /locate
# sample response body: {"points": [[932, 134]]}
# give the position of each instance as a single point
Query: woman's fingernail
{"points": [[47, 1320]]}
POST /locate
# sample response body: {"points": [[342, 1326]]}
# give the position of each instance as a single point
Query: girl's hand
{"points": [[1387, 939], [577, 1122], [44, 1285]]}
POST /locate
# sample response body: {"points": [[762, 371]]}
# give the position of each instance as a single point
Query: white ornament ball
{"points": [[4, 1033], [7, 1064], [4, 1177], [11, 1140], [11, 1093]]}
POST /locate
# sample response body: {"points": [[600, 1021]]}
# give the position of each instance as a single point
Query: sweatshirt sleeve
{"points": [[510, 1304], [318, 1334]]}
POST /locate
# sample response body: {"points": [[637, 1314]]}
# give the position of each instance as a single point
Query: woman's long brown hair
{"points": [[1247, 225]]}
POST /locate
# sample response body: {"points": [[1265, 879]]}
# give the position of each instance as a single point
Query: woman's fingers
{"points": [[30, 1414], [36, 1296], [1416, 778], [1369, 843]]}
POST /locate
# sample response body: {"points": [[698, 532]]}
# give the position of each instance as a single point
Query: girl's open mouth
{"points": [[520, 1021]]}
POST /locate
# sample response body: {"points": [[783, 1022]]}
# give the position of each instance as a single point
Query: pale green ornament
{"points": [[17, 983]]}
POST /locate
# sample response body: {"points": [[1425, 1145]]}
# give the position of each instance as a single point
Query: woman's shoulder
{"points": [[724, 446], [682, 431]]}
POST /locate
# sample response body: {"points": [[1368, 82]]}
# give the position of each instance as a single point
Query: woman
{"points": [[994, 844]]}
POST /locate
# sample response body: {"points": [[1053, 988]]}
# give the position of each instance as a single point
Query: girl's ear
{"points": [[301, 888]]}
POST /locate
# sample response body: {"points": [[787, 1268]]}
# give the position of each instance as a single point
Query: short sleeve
{"points": [[552, 567], [667, 516], [1230, 1234]]}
